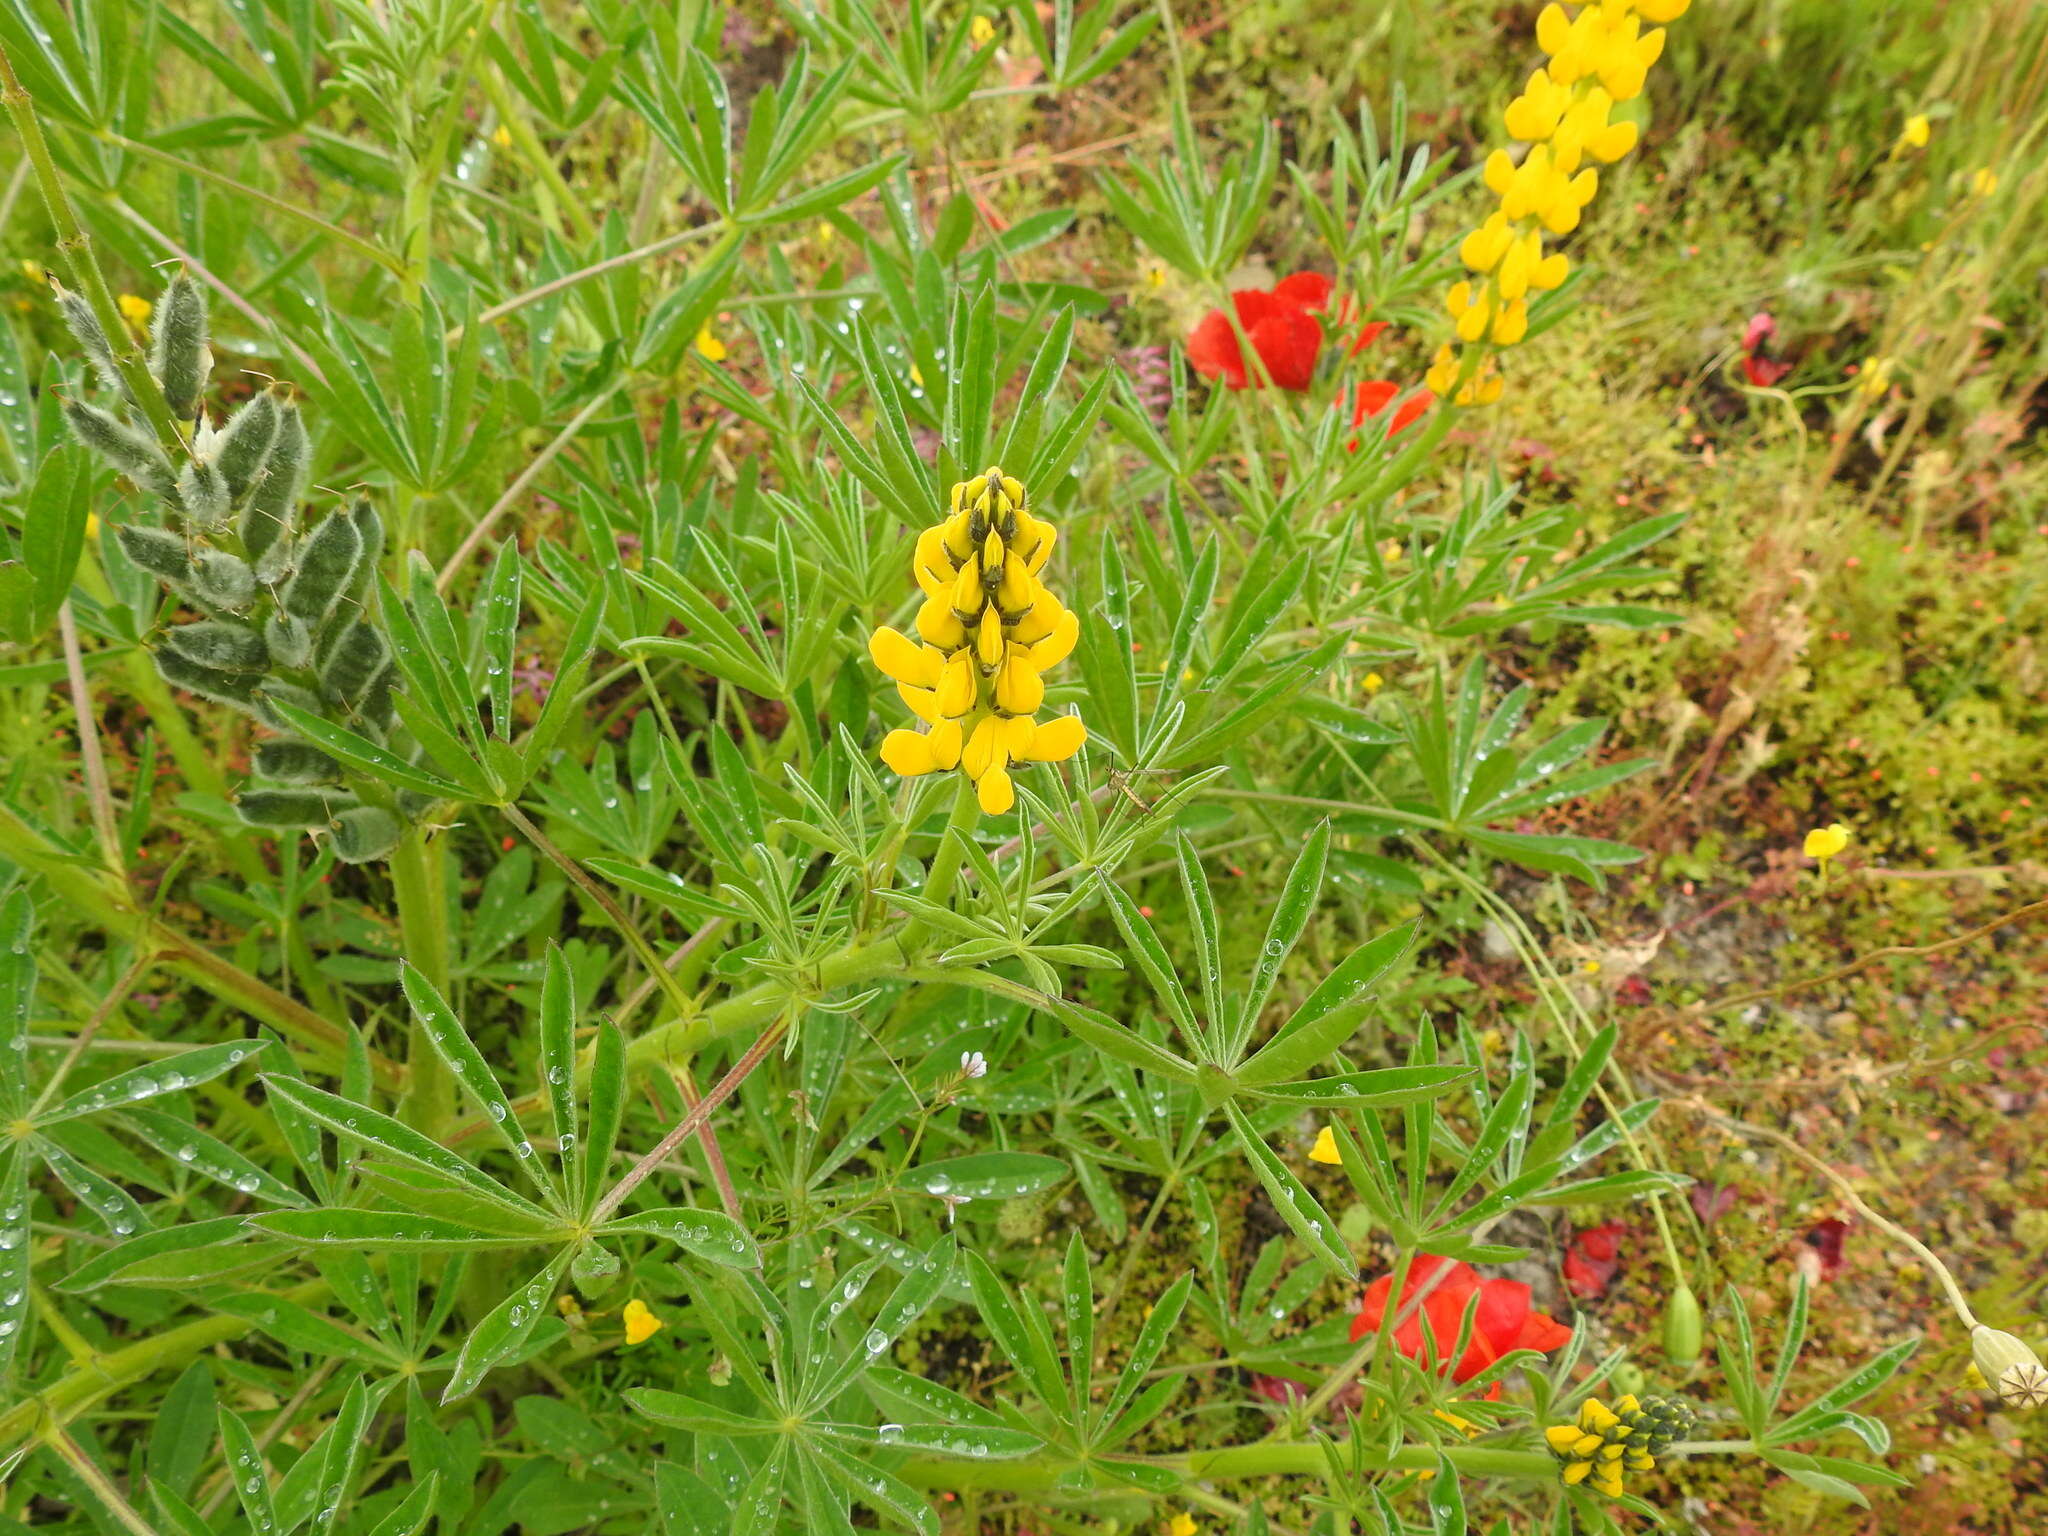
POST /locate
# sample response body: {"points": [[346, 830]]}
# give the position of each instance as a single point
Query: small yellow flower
{"points": [[92, 525], [1392, 551], [1915, 134], [1182, 1524], [1155, 276], [824, 234], [1373, 683], [641, 1323], [33, 271], [982, 30], [135, 310], [1984, 181], [502, 136], [1823, 843], [709, 347], [568, 1305], [1325, 1149], [1875, 376], [917, 376], [1590, 967]]}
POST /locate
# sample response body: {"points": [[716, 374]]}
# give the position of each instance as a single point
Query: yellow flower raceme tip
{"points": [[1824, 843], [1916, 133], [1984, 181], [982, 30], [1875, 376], [1605, 1442], [709, 347], [1182, 1524], [136, 311], [987, 633], [1373, 683], [502, 136], [641, 1323], [1325, 1149]]}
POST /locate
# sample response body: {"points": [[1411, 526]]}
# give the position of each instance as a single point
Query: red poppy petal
{"points": [[1541, 1331], [1287, 344], [1373, 397], [1367, 335], [1213, 350], [1412, 410], [1503, 1307], [1308, 290]]}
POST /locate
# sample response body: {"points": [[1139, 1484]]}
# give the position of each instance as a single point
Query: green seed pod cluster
{"points": [[283, 604]]}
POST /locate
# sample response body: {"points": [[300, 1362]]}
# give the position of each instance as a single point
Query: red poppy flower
{"points": [[1504, 1320], [1375, 395], [1593, 1259], [1758, 366], [1282, 324]]}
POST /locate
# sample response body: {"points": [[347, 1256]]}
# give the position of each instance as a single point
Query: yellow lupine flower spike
{"points": [[1606, 1442], [987, 632], [1599, 57]]}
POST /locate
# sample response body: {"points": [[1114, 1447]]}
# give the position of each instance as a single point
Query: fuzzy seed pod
{"points": [[365, 832], [85, 326], [292, 807], [244, 443], [370, 529], [271, 692], [178, 354], [222, 646], [358, 657], [221, 581], [156, 550], [275, 495], [237, 690], [327, 561], [290, 640], [132, 453], [275, 564], [289, 761], [203, 492]]}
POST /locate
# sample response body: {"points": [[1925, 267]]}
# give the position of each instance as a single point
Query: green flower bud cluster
{"points": [[282, 608]]}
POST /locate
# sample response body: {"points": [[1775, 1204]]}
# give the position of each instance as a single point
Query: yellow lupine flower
{"points": [[1182, 1524], [1875, 376], [1605, 1442], [709, 347], [982, 30], [1325, 1149], [1598, 58], [641, 1323], [987, 633], [1373, 683], [1915, 134], [1984, 181], [502, 136], [135, 310]]}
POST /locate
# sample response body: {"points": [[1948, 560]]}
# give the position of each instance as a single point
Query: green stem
{"points": [[75, 246], [944, 871], [419, 883]]}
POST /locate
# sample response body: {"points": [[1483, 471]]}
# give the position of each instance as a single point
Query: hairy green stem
{"points": [[419, 883], [1042, 1473]]}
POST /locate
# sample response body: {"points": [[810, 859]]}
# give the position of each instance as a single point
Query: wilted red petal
{"points": [[1278, 1389], [1712, 1201], [1826, 1242], [1763, 372], [1761, 328], [1601, 1242]]}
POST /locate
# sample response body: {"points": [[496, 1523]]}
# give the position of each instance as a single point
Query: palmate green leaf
{"points": [[1283, 930], [881, 1491], [1022, 1335], [711, 1236], [1330, 1014], [115, 1208], [379, 762], [207, 1155], [14, 1252], [303, 1329], [380, 1231], [987, 1175], [1379, 1088], [358, 1123], [452, 1043], [175, 1074], [685, 1412], [505, 1330], [247, 1471], [1160, 1320], [607, 1106], [17, 997], [1301, 1211]]}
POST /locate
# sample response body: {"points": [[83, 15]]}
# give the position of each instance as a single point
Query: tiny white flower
{"points": [[973, 1064]]}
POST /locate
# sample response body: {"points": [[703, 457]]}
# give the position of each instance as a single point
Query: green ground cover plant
{"points": [[1086, 767]]}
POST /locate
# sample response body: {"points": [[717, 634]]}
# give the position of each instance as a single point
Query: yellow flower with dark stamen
{"points": [[1598, 59], [1606, 1442], [987, 633]]}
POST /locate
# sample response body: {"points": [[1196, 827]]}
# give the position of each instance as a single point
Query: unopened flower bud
{"points": [[1683, 1327], [2009, 1367]]}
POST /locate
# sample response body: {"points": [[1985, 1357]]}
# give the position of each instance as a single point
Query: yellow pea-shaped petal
{"points": [[908, 752], [945, 741], [937, 626], [995, 792], [1057, 646], [988, 639], [956, 691], [1019, 689], [979, 753], [923, 702], [902, 658], [1057, 739]]}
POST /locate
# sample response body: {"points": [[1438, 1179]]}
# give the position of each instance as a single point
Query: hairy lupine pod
{"points": [[220, 581], [274, 496], [370, 529], [178, 354], [290, 640], [358, 657], [203, 492], [225, 647], [271, 692], [85, 326], [293, 807], [289, 761], [275, 563], [365, 832], [237, 690], [156, 550], [376, 707], [327, 561], [131, 452], [244, 443]]}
